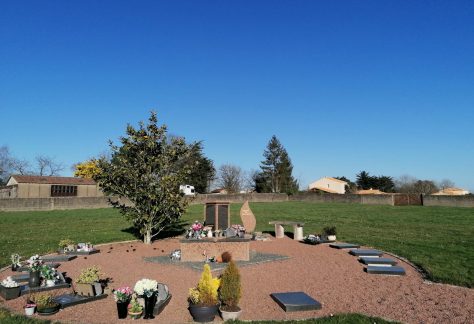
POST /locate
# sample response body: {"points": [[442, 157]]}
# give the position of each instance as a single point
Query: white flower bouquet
{"points": [[146, 287], [9, 283]]}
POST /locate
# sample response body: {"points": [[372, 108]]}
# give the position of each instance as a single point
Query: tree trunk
{"points": [[147, 237]]}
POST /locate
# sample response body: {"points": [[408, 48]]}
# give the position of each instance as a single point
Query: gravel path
{"points": [[333, 277]]}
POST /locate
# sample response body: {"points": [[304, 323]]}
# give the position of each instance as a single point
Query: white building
{"points": [[451, 192], [330, 185]]}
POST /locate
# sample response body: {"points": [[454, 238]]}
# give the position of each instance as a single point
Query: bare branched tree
{"points": [[446, 183], [20, 166], [46, 166], [230, 177]]}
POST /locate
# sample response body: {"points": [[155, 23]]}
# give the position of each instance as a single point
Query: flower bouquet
{"points": [[147, 288], [195, 231], [122, 297]]}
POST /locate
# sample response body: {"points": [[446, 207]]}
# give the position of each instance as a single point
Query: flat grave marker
{"points": [[68, 300], [344, 245], [395, 270], [366, 252], [295, 301], [380, 262]]}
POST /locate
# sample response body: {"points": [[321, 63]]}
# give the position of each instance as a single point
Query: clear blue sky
{"points": [[381, 86]]}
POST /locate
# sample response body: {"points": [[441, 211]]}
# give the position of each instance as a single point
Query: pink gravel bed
{"points": [[333, 277]]}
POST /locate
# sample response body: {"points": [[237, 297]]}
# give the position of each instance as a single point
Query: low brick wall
{"points": [[192, 250], [239, 198], [26, 204]]}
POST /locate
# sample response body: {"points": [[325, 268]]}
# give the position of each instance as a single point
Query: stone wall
{"points": [[18, 204], [192, 250], [449, 201]]}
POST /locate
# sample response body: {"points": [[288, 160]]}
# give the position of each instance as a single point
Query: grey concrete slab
{"points": [[394, 270], [295, 301], [366, 252], [378, 261], [344, 245]]}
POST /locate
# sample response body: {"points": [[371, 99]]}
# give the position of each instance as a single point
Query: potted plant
{"points": [[29, 307], [203, 299], [67, 245], [9, 289], [87, 284], [45, 304], [230, 292], [15, 258], [330, 233], [122, 297], [34, 267], [49, 275], [147, 288], [134, 308]]}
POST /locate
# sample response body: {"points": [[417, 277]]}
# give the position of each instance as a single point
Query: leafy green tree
{"points": [[277, 169], [385, 183], [203, 171], [364, 180], [147, 169]]}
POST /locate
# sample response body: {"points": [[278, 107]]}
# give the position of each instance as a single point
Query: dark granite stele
{"points": [[379, 261], [67, 300], [295, 301], [394, 270], [81, 252], [344, 246], [366, 252]]}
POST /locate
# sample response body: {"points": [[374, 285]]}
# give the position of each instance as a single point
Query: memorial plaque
{"points": [[68, 300], [223, 217], [378, 261], [344, 245], [210, 214], [394, 271], [216, 214], [366, 252], [58, 258], [295, 301]]}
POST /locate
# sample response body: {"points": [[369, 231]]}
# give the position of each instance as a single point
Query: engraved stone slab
{"points": [[395, 270], [247, 217], [344, 246], [366, 252], [58, 258], [68, 300], [295, 301], [82, 252], [378, 261]]}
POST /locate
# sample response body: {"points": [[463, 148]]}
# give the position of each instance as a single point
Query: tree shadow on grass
{"points": [[272, 233], [171, 230]]}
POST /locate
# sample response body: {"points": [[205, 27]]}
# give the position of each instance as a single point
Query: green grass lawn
{"points": [[8, 318], [438, 239]]}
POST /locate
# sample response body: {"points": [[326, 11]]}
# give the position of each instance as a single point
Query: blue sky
{"points": [[381, 86]]}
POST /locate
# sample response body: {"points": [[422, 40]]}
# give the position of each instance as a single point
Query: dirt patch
{"points": [[333, 277]]}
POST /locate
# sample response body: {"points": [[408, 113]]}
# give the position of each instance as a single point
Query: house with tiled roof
{"points": [[451, 192], [29, 186], [329, 184], [370, 192]]}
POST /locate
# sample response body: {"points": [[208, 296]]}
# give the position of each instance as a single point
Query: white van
{"points": [[187, 190]]}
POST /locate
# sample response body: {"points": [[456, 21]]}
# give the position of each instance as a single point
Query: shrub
{"points": [[230, 289], [65, 243], [43, 300], [206, 291], [226, 257], [329, 230], [89, 275]]}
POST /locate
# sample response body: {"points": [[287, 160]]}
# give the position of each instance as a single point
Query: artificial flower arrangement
{"points": [[123, 294], [34, 263], [9, 283], [195, 231], [146, 287], [15, 258], [49, 273]]}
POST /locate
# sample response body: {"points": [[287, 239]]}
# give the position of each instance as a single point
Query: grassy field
{"points": [[8, 318], [438, 239]]}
